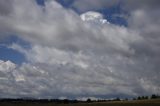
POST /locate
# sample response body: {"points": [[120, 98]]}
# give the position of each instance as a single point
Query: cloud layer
{"points": [[74, 58]]}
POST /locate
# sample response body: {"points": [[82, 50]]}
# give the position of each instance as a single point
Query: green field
{"points": [[120, 103]]}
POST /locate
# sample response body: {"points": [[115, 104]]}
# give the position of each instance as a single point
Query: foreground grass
{"points": [[119, 103]]}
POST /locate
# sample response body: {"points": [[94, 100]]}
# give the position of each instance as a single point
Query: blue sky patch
{"points": [[10, 54], [40, 2]]}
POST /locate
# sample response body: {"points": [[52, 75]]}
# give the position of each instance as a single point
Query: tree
{"points": [[155, 96], [66, 101], [88, 100], [139, 98], [146, 97], [117, 99], [126, 99]]}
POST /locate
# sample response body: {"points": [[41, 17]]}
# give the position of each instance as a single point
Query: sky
{"points": [[79, 49]]}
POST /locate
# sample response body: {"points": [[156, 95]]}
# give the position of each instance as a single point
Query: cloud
{"points": [[5, 7], [72, 58], [85, 5], [94, 17], [135, 4], [7, 66]]}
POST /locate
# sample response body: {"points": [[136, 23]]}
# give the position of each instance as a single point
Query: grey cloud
{"points": [[69, 57], [86, 5], [67, 80], [146, 4], [65, 27], [5, 7]]}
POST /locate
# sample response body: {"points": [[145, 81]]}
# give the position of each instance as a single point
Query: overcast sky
{"points": [[79, 48]]}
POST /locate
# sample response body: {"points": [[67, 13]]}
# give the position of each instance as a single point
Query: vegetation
{"points": [[153, 100]]}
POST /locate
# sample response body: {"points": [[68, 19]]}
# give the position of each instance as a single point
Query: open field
{"points": [[120, 103]]}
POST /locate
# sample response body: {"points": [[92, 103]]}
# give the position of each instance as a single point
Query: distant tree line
{"points": [[66, 101], [153, 96]]}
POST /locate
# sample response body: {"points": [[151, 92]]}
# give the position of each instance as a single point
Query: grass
{"points": [[155, 102]]}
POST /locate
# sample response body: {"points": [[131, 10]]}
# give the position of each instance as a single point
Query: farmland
{"points": [[155, 102]]}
